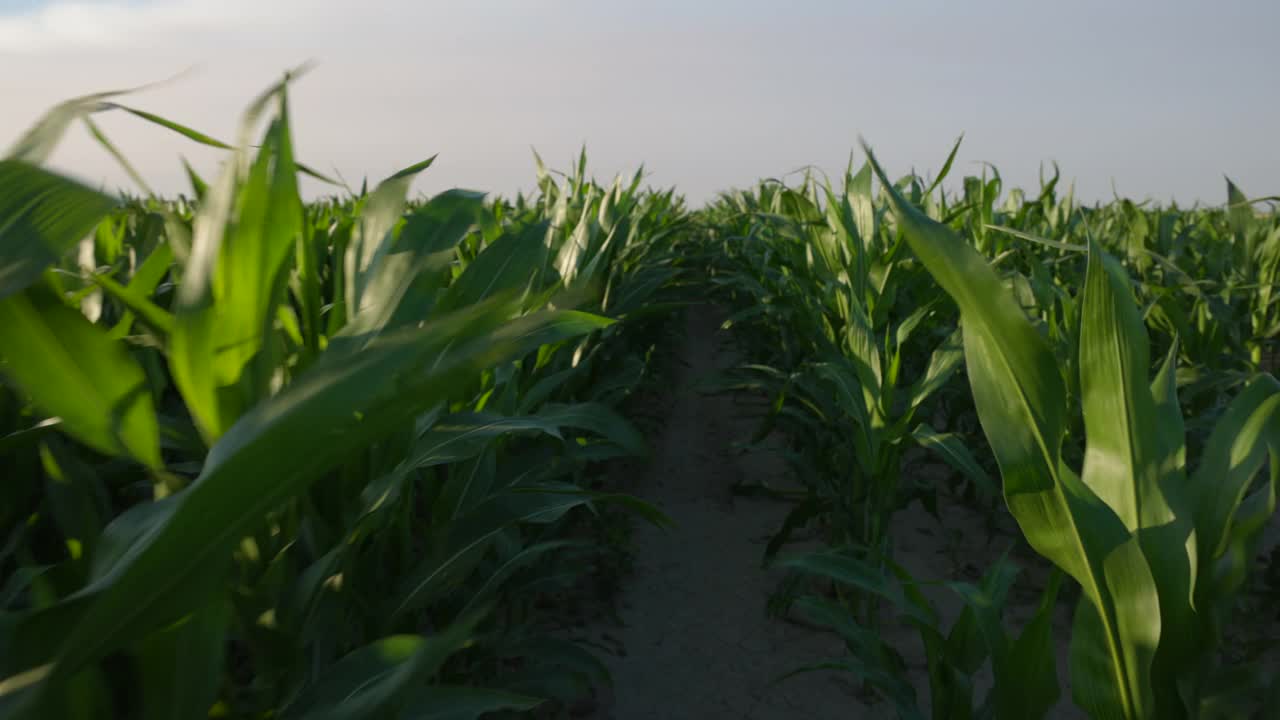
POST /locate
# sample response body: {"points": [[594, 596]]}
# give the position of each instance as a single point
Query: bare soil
{"points": [[695, 642]]}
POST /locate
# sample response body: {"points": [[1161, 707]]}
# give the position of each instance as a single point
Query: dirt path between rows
{"points": [[695, 642]]}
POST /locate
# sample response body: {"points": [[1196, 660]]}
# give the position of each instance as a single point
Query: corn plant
{"points": [[836, 318], [1023, 667], [300, 460], [1158, 551]]}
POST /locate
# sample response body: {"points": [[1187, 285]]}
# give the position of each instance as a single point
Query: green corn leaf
{"points": [[977, 634], [1021, 401], [142, 286], [1122, 458], [862, 207], [463, 436], [1234, 453], [1239, 211], [575, 246], [448, 702], [74, 371], [377, 679], [946, 166], [403, 281], [1230, 569], [1027, 677], [179, 128], [42, 216], [488, 592], [841, 566], [1127, 453], [1169, 424], [953, 450], [74, 495], [560, 656], [373, 237], [514, 262], [799, 516], [115, 153], [596, 418], [864, 352], [39, 141], [155, 317], [1125, 457], [297, 605], [198, 186], [943, 363], [181, 666], [293, 437], [472, 532], [1230, 514], [1113, 644], [909, 325], [233, 279]]}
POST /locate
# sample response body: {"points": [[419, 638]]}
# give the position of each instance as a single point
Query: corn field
{"points": [[268, 458]]}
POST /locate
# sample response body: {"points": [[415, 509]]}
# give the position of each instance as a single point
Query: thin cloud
{"points": [[708, 95], [63, 26]]}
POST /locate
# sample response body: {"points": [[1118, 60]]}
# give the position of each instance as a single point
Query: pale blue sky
{"points": [[1162, 98]]}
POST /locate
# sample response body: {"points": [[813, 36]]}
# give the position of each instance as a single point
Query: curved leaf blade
{"points": [[75, 371], [42, 216]]}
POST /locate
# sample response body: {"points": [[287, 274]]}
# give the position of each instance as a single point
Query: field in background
{"points": [[352, 458]]}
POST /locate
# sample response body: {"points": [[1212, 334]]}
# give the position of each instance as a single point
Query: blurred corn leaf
{"points": [[42, 216], [74, 371]]}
